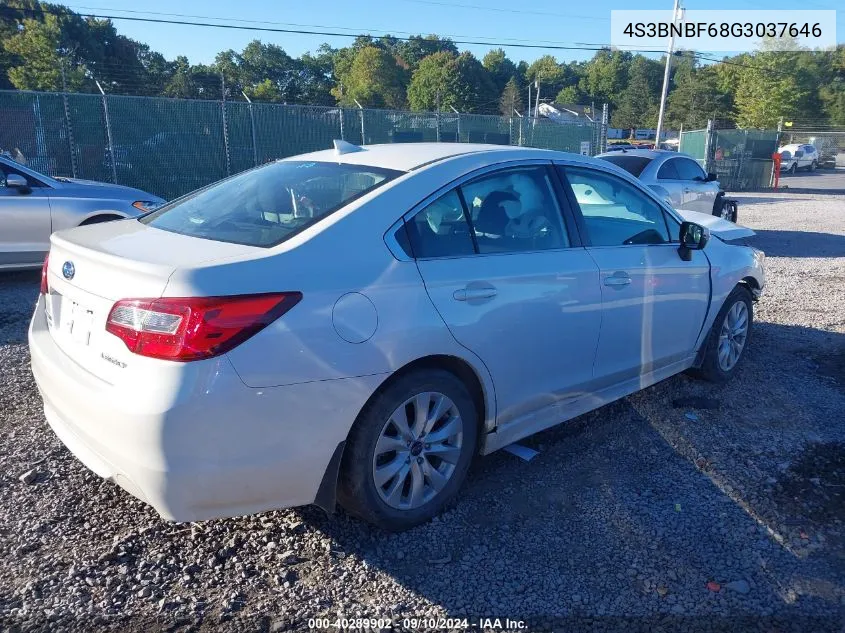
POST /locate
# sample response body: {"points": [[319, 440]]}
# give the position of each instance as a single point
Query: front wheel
{"points": [[409, 451], [729, 337], [793, 169]]}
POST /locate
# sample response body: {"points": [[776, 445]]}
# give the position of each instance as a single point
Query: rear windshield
{"points": [[634, 165], [265, 206]]}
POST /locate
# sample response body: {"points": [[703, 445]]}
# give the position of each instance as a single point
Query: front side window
{"points": [[615, 212], [265, 206]]}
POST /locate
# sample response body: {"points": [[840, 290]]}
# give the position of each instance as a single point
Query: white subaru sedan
{"points": [[356, 324]]}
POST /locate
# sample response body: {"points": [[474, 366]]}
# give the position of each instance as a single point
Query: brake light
{"points": [[44, 287], [192, 328]]}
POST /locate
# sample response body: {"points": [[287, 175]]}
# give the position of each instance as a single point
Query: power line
{"points": [[355, 31], [317, 32]]}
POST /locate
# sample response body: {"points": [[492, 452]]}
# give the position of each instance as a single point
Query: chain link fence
{"points": [[740, 158], [172, 146]]}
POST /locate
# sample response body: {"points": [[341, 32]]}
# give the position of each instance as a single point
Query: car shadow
{"points": [[777, 243], [635, 500]]}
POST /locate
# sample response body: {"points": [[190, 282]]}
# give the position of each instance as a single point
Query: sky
{"points": [[537, 22]]}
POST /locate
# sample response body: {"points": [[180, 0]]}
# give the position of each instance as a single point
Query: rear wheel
{"points": [[409, 450], [813, 166], [729, 337]]}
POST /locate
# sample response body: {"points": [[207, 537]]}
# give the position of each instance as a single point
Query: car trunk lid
{"points": [[92, 267]]}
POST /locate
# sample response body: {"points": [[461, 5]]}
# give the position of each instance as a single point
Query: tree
{"points": [[373, 79], [417, 48], [570, 95], [695, 96], [832, 91], [637, 105], [501, 69], [431, 83], [38, 48], [445, 80], [606, 76], [548, 73], [316, 75], [767, 90], [182, 84], [511, 98]]}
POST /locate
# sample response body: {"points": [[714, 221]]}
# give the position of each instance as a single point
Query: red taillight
{"points": [[44, 287], [184, 329]]}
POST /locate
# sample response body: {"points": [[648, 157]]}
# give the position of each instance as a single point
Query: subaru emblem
{"points": [[68, 270]]}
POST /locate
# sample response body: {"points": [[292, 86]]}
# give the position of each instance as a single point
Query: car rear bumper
{"points": [[210, 447]]}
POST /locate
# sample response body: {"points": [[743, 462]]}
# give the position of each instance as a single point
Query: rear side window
{"points": [[265, 206], [441, 229], [668, 171], [634, 165], [689, 169], [509, 211]]}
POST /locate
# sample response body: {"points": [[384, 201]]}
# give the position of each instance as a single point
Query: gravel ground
{"points": [[686, 506]]}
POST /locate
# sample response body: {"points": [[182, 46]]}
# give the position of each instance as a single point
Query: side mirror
{"points": [[693, 237], [711, 177], [16, 181]]}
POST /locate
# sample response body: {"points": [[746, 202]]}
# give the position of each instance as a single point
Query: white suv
{"points": [[796, 156]]}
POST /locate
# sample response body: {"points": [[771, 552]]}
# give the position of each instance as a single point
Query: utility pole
{"points": [[675, 16]]}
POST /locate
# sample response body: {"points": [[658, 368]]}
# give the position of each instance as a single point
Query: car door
{"points": [[653, 302], [669, 180], [514, 286], [25, 223], [699, 194]]}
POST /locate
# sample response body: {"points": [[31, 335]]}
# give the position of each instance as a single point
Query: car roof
{"points": [[646, 153], [410, 156]]}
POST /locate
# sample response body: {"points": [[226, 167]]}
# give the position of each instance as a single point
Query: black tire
{"points": [[356, 488], [813, 166], [710, 368], [793, 169], [99, 219]]}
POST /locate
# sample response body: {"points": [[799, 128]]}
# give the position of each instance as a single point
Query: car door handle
{"points": [[468, 294], [617, 280], [686, 189]]}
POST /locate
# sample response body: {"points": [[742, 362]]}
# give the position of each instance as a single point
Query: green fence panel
{"points": [[167, 146], [693, 143], [172, 146]]}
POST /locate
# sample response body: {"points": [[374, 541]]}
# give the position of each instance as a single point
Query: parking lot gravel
{"points": [[687, 506]]}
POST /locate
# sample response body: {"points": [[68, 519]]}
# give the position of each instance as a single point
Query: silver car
{"points": [[32, 206], [677, 178]]}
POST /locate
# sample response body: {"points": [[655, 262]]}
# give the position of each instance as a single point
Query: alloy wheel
{"points": [[417, 450], [733, 335]]}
